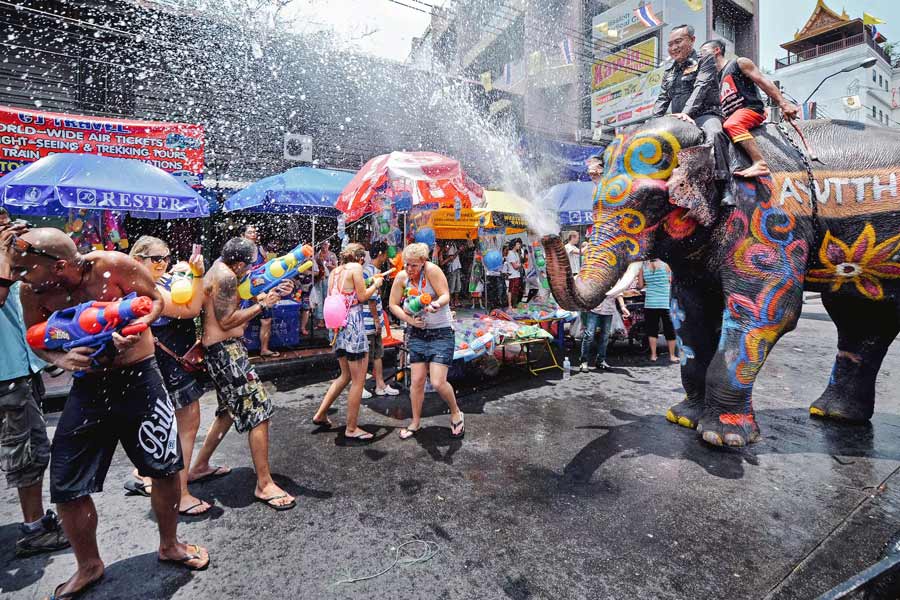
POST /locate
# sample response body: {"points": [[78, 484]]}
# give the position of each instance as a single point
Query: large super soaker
{"points": [[90, 325], [267, 276]]}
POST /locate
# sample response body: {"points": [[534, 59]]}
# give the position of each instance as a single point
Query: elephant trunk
{"points": [[598, 275]]}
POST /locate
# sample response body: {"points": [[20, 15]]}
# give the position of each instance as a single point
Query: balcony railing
{"points": [[831, 47]]}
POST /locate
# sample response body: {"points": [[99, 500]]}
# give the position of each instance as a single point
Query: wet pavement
{"points": [[561, 489]]}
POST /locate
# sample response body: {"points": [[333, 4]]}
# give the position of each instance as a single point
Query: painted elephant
{"points": [[740, 270]]}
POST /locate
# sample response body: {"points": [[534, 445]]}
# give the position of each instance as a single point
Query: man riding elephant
{"points": [[690, 90], [740, 270]]}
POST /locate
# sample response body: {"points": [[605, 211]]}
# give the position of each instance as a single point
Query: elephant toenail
{"points": [[711, 437], [733, 439]]}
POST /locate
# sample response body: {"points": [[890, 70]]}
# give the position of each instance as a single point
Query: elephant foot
{"points": [[842, 406], [728, 429], [686, 413]]}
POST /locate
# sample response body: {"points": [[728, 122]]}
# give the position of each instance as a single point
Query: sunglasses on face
{"points": [[26, 247], [156, 258]]}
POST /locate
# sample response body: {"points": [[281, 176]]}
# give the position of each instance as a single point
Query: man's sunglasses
{"points": [[156, 258], [26, 247]]}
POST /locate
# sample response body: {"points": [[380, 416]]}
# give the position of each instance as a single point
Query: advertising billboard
{"points": [[626, 102], [28, 135], [628, 63], [623, 22]]}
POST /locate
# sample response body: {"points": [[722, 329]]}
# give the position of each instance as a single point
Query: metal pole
{"points": [[314, 231]]}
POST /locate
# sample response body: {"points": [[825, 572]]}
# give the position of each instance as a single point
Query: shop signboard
{"points": [[626, 102], [622, 20], [28, 135], [628, 63]]}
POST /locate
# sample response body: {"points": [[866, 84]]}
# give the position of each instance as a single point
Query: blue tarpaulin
{"points": [[566, 160], [59, 182], [573, 201], [305, 190]]}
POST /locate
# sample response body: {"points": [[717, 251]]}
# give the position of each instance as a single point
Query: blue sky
{"points": [[780, 19]]}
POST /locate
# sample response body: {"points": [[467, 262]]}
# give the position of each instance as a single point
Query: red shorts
{"points": [[741, 121]]}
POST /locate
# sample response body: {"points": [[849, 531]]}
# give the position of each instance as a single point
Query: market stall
{"points": [[94, 193], [311, 194]]}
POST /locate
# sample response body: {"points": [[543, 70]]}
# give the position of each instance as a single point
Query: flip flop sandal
{"points": [[272, 354], [363, 437], [187, 512], [73, 594], [136, 488], [279, 507], [326, 423], [461, 425], [407, 433], [219, 471], [184, 560]]}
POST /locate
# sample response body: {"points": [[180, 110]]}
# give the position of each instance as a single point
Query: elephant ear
{"points": [[692, 183]]}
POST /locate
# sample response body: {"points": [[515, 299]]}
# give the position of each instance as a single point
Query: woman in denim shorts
{"points": [[430, 338]]}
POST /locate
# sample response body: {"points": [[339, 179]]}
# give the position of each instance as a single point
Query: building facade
{"points": [[862, 83], [576, 70]]}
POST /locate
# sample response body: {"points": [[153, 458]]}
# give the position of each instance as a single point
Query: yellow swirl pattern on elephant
{"points": [[652, 155]]}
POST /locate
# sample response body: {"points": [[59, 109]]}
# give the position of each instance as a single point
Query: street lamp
{"points": [[869, 62]]}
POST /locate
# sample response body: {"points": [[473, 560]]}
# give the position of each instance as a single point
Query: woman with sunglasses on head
{"points": [[430, 337], [351, 344], [175, 334]]}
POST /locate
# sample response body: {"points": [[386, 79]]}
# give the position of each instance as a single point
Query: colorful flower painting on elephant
{"points": [[864, 263]]}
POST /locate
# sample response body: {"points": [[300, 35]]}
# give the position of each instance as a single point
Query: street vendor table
{"points": [[526, 346]]}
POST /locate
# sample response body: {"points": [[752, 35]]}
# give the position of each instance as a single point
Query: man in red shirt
{"points": [[742, 105]]}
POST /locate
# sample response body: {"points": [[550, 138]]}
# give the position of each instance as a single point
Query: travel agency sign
{"points": [[28, 135]]}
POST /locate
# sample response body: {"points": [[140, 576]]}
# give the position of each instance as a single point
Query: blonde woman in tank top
{"points": [[430, 338]]}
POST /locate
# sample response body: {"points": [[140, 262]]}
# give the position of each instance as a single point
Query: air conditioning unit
{"points": [[298, 147]]}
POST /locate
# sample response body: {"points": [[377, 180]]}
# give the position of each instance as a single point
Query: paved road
{"points": [[576, 489]]}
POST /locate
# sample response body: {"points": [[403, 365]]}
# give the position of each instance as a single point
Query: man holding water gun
{"points": [[243, 400], [117, 397]]}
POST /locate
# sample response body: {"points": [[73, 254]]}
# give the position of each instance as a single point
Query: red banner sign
{"points": [[27, 135]]}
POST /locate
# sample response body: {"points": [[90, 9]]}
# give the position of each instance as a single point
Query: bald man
{"points": [[124, 401]]}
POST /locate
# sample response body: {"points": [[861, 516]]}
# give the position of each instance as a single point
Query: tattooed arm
{"points": [[225, 300]]}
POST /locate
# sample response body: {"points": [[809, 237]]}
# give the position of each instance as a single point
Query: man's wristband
{"points": [[5, 283]]}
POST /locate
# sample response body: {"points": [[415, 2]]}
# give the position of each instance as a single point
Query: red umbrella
{"points": [[429, 178]]}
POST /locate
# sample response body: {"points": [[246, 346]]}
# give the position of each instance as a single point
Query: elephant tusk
{"points": [[630, 274]]}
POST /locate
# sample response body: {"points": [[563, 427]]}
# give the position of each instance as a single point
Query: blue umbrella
{"points": [[574, 201], [305, 190], [59, 182]]}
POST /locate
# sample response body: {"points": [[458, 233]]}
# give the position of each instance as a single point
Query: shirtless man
{"points": [[242, 398], [124, 401]]}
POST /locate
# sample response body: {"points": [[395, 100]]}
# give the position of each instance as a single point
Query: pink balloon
{"points": [[335, 311]]}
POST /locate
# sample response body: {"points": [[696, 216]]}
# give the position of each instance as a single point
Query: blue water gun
{"points": [[267, 276], [90, 325]]}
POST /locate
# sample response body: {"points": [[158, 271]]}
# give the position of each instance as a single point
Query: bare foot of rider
{"points": [[757, 169], [86, 575], [273, 495]]}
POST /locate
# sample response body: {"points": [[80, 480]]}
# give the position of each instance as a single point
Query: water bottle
{"points": [[567, 368]]}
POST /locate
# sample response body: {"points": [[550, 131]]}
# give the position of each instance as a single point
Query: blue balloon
{"points": [[493, 260], [426, 236]]}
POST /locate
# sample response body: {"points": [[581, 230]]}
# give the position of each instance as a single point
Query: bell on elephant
{"points": [[739, 271]]}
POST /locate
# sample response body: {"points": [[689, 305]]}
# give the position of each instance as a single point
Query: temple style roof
{"points": [[823, 26]]}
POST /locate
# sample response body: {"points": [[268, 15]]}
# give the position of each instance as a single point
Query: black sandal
{"points": [[461, 425], [410, 432]]}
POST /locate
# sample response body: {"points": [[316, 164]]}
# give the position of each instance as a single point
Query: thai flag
{"points": [[874, 31], [645, 15], [568, 55], [506, 74]]}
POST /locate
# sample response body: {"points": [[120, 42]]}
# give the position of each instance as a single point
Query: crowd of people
{"points": [[142, 390]]}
